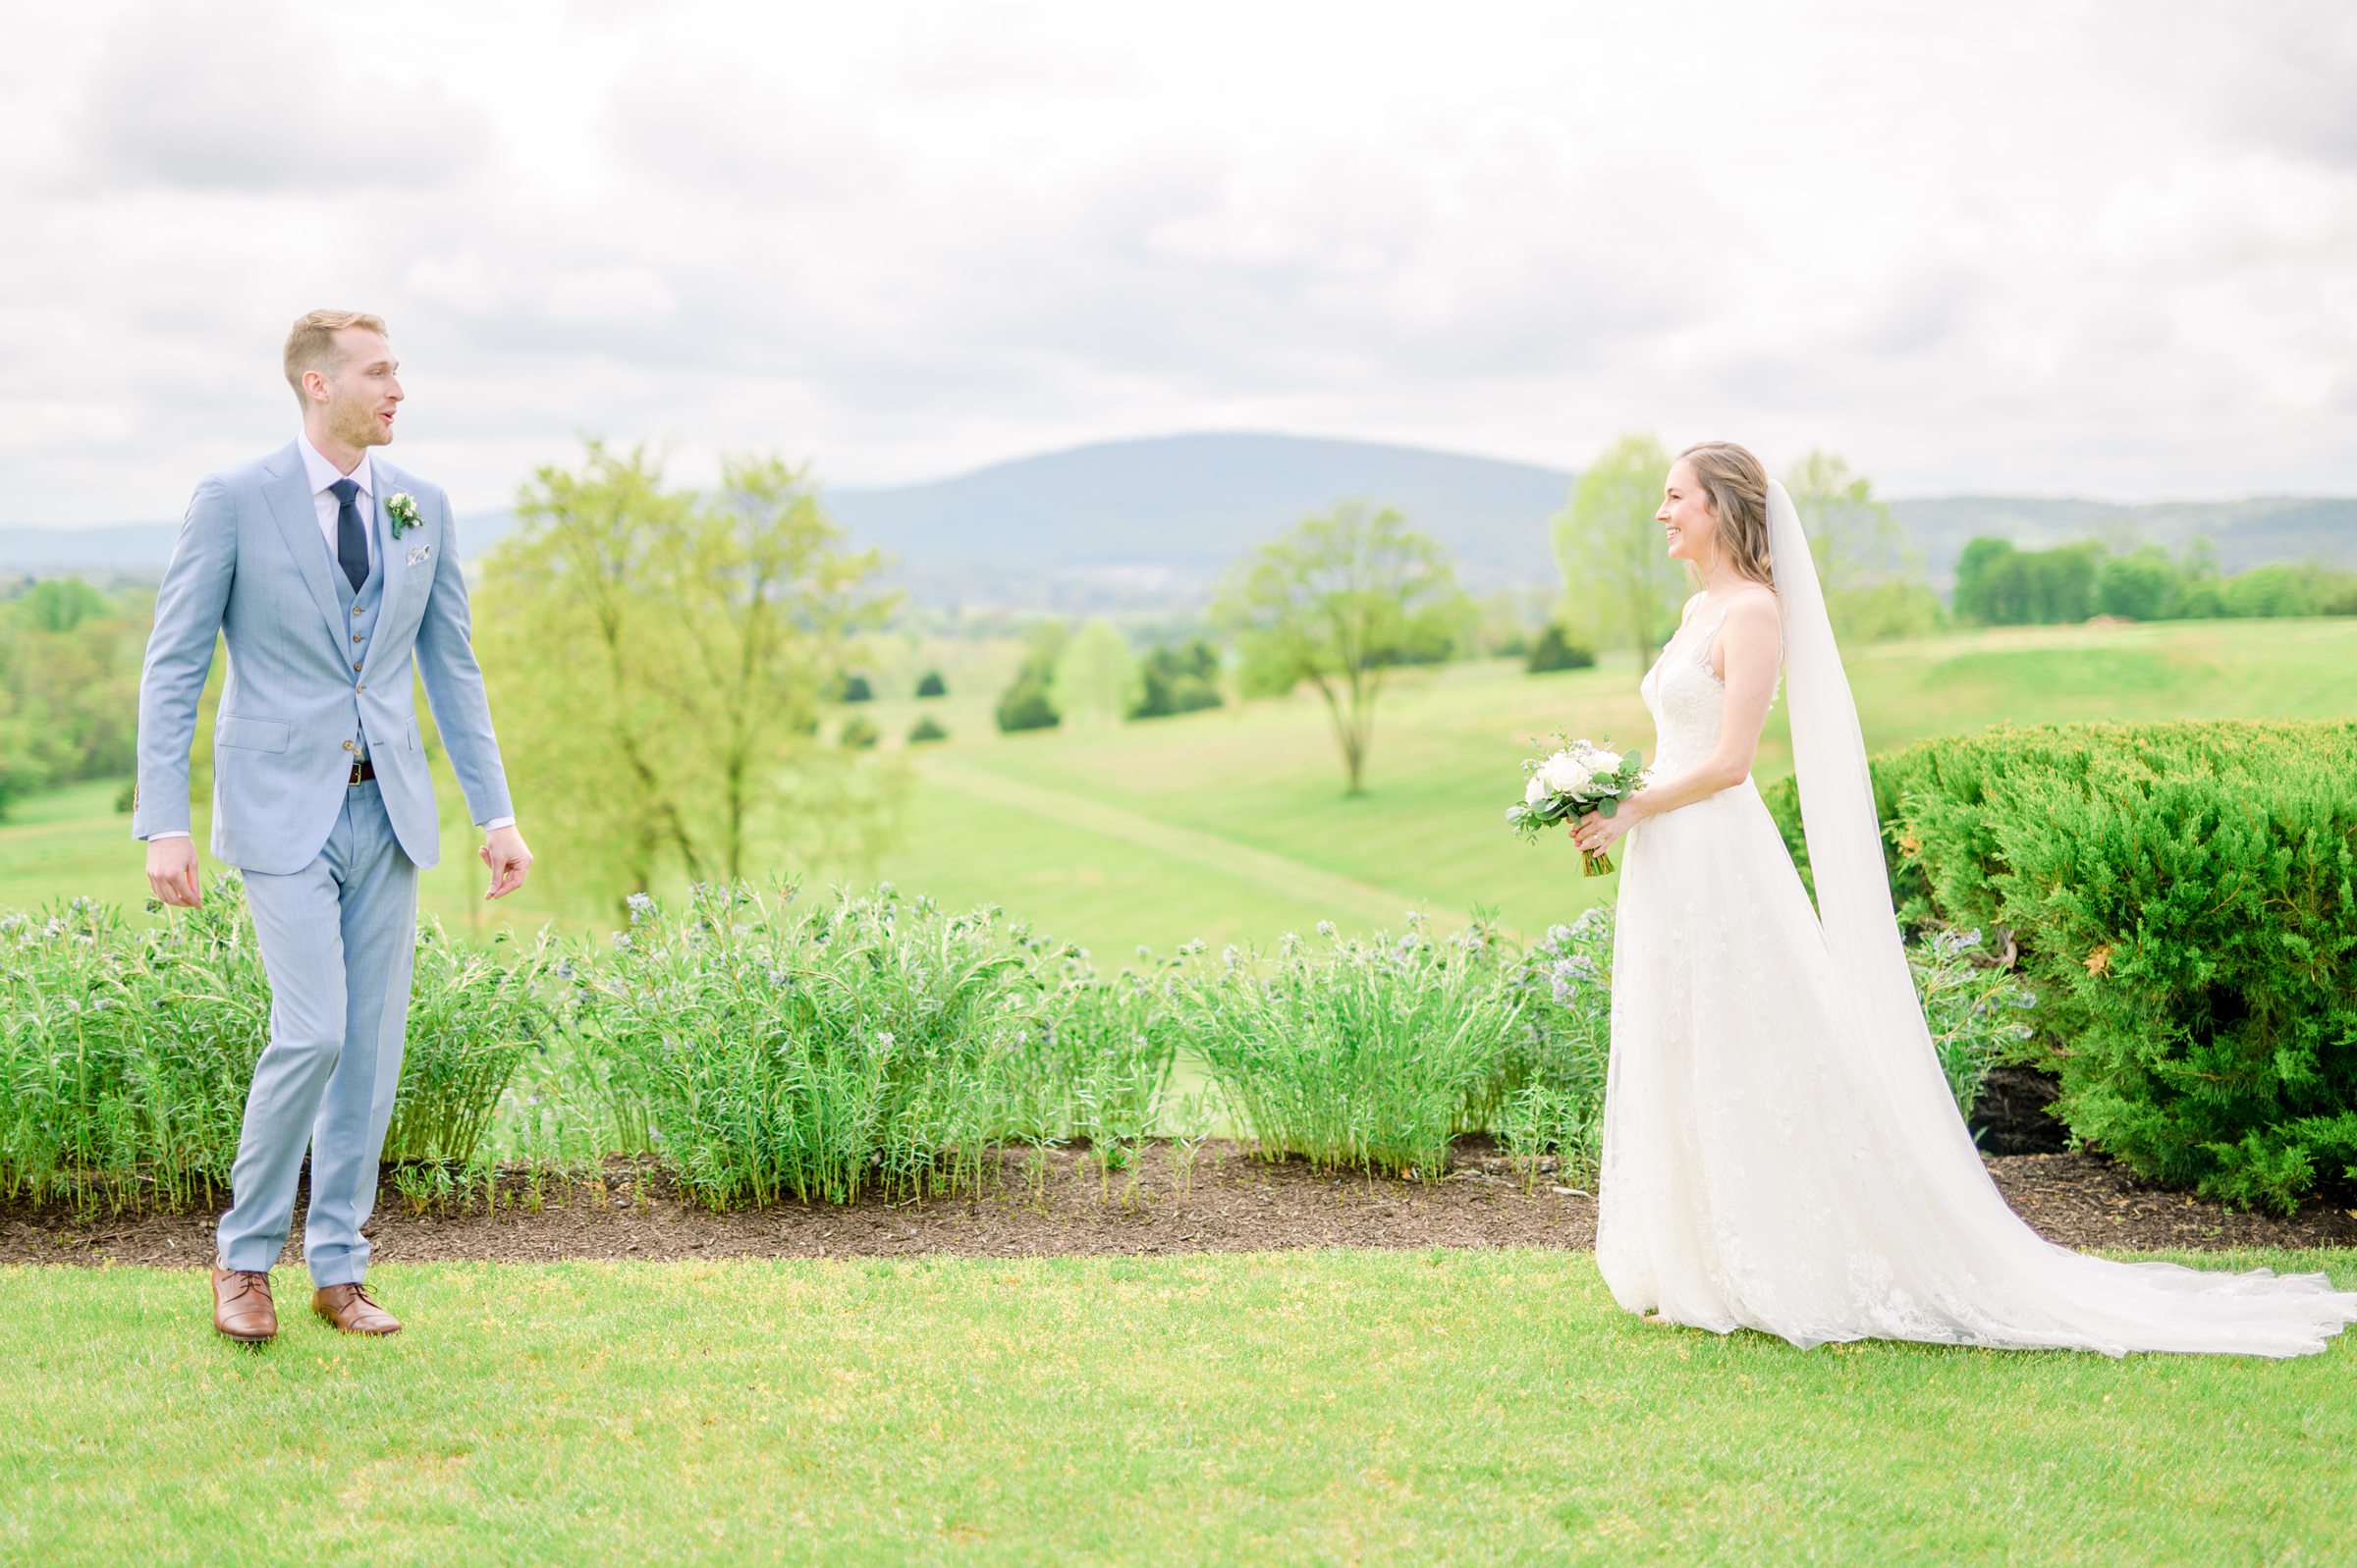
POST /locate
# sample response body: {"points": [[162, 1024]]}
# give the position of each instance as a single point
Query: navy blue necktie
{"points": [[352, 545]]}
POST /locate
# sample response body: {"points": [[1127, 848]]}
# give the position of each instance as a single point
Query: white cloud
{"points": [[2022, 247], [255, 96]]}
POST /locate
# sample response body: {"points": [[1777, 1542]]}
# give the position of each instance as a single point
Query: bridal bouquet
{"points": [[1578, 776]]}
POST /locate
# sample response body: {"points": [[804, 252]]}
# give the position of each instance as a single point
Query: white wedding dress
{"points": [[1780, 1149]]}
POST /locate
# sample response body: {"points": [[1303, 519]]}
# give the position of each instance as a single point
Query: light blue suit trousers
{"points": [[337, 938]]}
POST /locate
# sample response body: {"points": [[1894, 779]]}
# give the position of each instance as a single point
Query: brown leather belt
{"points": [[362, 770]]}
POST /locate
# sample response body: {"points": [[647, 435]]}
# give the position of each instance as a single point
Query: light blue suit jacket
{"points": [[250, 566]]}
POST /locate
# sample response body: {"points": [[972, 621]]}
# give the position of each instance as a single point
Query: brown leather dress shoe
{"points": [[349, 1307], [241, 1305]]}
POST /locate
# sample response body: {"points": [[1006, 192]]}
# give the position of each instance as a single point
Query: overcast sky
{"points": [[2052, 247]]}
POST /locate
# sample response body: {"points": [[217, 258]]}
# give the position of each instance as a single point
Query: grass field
{"points": [[1232, 826], [1302, 1407]]}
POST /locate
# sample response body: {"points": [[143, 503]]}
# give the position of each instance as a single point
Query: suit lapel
{"points": [[289, 493], [387, 566]]}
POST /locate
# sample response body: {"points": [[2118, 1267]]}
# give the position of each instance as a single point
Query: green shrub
{"points": [[1178, 678], [475, 1013], [1092, 1060], [1371, 1055], [858, 734], [930, 685], [772, 1052], [2184, 900], [1028, 705], [1973, 1007], [856, 688], [1554, 650], [125, 1055], [927, 729], [1554, 1101]]}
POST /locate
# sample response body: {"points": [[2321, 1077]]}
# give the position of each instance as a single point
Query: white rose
{"points": [[1535, 794], [1565, 772], [1604, 762]]}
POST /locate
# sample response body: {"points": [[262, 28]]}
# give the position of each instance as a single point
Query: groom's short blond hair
{"points": [[312, 344]]}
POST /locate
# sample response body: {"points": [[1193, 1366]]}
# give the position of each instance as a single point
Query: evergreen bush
{"points": [[1175, 679], [930, 685], [927, 729], [2184, 901], [1554, 650], [1027, 704]]}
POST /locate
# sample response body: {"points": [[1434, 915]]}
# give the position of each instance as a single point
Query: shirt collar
{"points": [[322, 472]]}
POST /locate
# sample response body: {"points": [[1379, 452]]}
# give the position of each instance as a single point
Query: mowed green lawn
{"points": [[1295, 1407], [1233, 826]]}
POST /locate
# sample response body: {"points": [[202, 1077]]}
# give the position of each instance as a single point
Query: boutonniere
{"points": [[403, 509]]}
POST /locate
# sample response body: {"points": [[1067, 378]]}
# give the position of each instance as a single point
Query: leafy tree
{"points": [[1337, 602], [930, 685], [2142, 585], [69, 684], [1980, 571], [1997, 586], [1556, 650], [1181, 677], [1873, 581], [1620, 583], [1097, 677], [657, 661], [2273, 590]]}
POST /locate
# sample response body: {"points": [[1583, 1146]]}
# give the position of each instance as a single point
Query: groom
{"points": [[328, 571]]}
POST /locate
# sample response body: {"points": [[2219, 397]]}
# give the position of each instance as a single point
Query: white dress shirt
{"points": [[323, 475]]}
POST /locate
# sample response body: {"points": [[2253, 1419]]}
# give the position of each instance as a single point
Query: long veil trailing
{"points": [[1926, 1235], [1837, 806]]}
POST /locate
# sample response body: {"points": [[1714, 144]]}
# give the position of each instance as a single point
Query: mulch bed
{"points": [[1226, 1202]]}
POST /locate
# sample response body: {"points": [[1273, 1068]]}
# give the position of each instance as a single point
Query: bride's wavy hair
{"points": [[1736, 486]]}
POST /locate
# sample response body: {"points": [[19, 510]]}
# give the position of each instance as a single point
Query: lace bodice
{"points": [[1685, 698]]}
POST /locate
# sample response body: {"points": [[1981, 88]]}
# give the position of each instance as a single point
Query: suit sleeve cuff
{"points": [[497, 823], [169, 832]]}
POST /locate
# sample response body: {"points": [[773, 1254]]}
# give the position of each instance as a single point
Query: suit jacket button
{"points": [[355, 669], [363, 685], [348, 746]]}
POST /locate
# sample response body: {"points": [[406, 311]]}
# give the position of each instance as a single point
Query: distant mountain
{"points": [[1169, 511], [1150, 521]]}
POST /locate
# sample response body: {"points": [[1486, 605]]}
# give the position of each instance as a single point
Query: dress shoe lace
{"points": [[250, 1281]]}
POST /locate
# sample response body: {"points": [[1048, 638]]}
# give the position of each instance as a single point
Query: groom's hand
{"points": [[503, 852], [172, 871]]}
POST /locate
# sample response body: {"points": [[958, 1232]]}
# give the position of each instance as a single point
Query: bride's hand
{"points": [[1595, 833]]}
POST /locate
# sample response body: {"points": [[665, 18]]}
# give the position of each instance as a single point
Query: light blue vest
{"points": [[360, 609]]}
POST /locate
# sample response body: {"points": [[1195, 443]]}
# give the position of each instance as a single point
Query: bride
{"points": [[1780, 1149]]}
